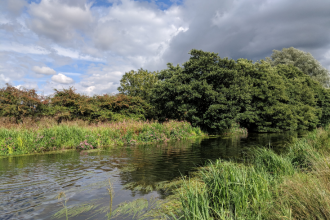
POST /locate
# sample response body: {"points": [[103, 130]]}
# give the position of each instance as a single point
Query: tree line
{"points": [[287, 91], [67, 104]]}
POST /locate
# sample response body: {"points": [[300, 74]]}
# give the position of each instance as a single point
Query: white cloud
{"points": [[61, 78], [102, 43], [28, 85], [44, 70], [74, 54], [137, 29], [20, 48], [59, 20], [70, 74], [3, 78]]}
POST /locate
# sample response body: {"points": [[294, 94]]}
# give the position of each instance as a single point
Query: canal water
{"points": [[30, 185]]}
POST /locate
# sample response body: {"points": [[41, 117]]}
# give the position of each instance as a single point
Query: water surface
{"points": [[29, 184]]}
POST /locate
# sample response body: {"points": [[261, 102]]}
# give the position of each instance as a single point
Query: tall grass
{"points": [[294, 185], [48, 136]]}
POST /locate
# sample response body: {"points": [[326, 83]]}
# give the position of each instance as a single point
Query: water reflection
{"points": [[29, 184]]}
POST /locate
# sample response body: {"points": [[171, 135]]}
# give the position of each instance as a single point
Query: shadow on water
{"points": [[29, 184]]}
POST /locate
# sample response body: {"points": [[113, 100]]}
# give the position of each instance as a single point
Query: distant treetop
{"points": [[304, 61]]}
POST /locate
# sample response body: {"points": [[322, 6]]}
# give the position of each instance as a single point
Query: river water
{"points": [[30, 184]]}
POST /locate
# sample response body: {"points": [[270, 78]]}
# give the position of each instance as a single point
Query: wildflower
{"points": [[52, 138]]}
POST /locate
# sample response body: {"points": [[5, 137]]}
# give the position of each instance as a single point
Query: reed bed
{"points": [[294, 185], [47, 135]]}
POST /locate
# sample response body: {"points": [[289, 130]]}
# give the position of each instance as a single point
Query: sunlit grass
{"points": [[294, 185], [48, 136]]}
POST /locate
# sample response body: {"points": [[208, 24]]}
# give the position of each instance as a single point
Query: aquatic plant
{"points": [[59, 197], [111, 194]]}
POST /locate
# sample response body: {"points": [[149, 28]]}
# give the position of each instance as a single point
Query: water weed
{"points": [[59, 197], [111, 194]]}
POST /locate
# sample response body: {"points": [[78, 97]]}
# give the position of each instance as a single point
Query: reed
{"points": [[293, 185], [48, 136], [59, 197], [111, 194], [304, 195]]}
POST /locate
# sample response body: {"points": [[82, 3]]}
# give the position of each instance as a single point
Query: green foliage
{"points": [[239, 192], [271, 186], [283, 99], [207, 91], [268, 161], [19, 103], [120, 104], [66, 104], [215, 93], [57, 137], [138, 83], [303, 61]]}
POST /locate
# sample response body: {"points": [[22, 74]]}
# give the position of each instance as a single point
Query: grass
{"points": [[294, 185], [236, 129], [47, 135]]}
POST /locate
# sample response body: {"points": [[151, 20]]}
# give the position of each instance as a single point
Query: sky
{"points": [[90, 44]]}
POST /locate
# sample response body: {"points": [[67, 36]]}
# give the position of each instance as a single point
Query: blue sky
{"points": [[55, 44]]}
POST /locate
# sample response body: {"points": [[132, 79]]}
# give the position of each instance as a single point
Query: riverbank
{"points": [[47, 135], [294, 185]]}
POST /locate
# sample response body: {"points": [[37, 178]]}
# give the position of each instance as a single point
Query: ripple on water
{"points": [[29, 184]]}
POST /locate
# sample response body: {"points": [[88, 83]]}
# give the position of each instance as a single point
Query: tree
{"points": [[284, 98], [303, 61], [138, 83], [213, 93], [207, 91]]}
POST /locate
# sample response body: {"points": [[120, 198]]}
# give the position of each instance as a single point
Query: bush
{"points": [[18, 103], [66, 104]]}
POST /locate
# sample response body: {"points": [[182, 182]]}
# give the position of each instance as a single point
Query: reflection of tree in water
{"points": [[155, 164], [150, 165]]}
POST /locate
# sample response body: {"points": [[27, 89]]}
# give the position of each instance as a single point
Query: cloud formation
{"points": [[63, 79], [59, 20], [103, 41], [44, 70]]}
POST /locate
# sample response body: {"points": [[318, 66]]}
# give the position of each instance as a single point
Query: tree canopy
{"points": [[213, 93], [303, 61], [138, 83]]}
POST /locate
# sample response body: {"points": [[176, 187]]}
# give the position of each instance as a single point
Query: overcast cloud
{"points": [[87, 44]]}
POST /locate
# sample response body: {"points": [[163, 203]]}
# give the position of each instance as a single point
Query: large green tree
{"points": [[138, 83], [302, 60], [214, 93], [207, 91]]}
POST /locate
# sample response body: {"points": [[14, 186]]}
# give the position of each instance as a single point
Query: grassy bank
{"points": [[295, 185], [47, 135]]}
